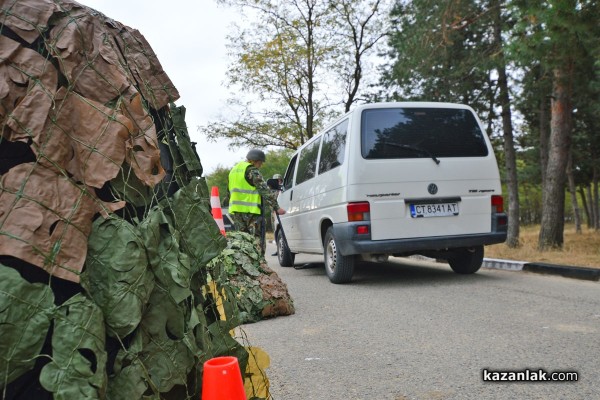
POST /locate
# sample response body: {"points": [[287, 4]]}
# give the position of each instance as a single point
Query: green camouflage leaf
{"points": [[25, 314], [78, 367], [117, 274], [128, 384], [170, 265], [248, 298], [200, 235], [251, 268], [130, 188], [185, 146], [225, 345], [235, 270], [168, 346]]}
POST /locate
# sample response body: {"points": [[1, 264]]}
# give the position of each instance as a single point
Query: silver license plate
{"points": [[433, 210]]}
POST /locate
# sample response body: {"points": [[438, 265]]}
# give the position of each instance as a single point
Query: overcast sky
{"points": [[188, 36]]}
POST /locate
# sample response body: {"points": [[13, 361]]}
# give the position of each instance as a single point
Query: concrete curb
{"points": [[588, 274], [584, 273], [509, 265]]}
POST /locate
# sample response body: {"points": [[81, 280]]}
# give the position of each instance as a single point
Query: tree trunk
{"points": [[512, 184], [595, 204], [591, 207], [586, 209], [573, 191], [544, 137], [553, 196]]}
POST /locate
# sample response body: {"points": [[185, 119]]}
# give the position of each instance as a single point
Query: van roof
{"points": [[428, 104]]}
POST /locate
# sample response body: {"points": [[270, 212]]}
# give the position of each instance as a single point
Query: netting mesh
{"points": [[109, 275]]}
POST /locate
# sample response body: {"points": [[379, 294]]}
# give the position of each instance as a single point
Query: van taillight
{"points": [[359, 211], [497, 204]]}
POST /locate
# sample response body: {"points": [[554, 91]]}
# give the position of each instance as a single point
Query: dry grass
{"points": [[581, 250]]}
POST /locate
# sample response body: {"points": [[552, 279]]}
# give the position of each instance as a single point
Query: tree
{"points": [[586, 137], [514, 215], [361, 28], [277, 162], [296, 57], [436, 53], [560, 34], [449, 51]]}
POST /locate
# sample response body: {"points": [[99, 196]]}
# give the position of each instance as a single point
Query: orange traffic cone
{"points": [[217, 213], [222, 379]]}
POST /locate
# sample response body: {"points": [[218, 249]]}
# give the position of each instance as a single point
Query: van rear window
{"points": [[421, 133]]}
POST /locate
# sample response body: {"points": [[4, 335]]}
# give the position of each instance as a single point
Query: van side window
{"points": [[289, 174], [307, 164], [332, 152]]}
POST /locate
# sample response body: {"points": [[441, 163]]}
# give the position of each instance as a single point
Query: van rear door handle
{"points": [[291, 194]]}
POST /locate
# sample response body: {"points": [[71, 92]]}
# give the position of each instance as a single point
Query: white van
{"points": [[393, 179]]}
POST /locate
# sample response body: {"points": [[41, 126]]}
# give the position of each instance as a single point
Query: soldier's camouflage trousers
{"points": [[250, 223]]}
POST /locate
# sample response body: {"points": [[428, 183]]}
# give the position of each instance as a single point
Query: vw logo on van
{"points": [[432, 188]]}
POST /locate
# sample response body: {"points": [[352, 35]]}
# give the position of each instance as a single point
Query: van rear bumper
{"points": [[350, 243]]}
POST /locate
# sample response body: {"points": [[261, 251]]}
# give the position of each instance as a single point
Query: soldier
{"points": [[279, 179], [248, 192]]}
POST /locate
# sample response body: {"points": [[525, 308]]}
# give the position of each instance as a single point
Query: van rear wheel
{"points": [[339, 268], [284, 255], [467, 260]]}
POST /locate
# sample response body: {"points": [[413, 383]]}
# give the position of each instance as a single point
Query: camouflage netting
{"points": [[243, 275], [105, 224]]}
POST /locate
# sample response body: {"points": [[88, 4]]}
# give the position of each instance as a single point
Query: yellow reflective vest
{"points": [[244, 198]]}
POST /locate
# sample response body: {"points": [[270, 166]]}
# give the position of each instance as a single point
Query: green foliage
{"points": [[273, 128], [550, 35], [530, 204], [445, 51], [440, 51], [553, 31], [294, 66], [220, 178], [277, 162]]}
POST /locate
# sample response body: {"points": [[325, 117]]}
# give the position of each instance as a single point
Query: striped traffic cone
{"points": [[217, 213]]}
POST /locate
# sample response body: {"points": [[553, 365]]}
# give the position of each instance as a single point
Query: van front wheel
{"points": [[284, 255], [339, 268], [467, 260]]}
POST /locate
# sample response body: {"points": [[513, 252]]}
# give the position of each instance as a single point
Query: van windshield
{"points": [[421, 132]]}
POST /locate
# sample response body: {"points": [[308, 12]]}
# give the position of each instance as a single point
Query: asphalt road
{"points": [[415, 330]]}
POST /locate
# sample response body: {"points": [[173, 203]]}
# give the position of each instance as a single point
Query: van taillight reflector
{"points": [[359, 211], [362, 229], [497, 203]]}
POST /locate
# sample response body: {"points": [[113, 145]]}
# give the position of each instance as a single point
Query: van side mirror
{"points": [[274, 184]]}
